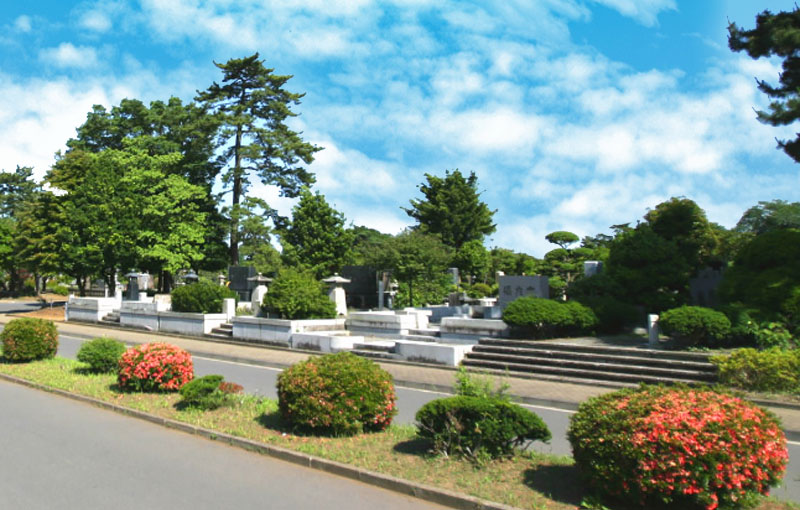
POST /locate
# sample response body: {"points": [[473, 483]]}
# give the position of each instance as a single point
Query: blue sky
{"points": [[575, 114]]}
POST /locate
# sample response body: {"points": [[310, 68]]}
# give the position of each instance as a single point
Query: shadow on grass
{"points": [[272, 421], [560, 483], [417, 446]]}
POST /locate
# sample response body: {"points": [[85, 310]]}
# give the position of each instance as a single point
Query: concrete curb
{"points": [[425, 492]]}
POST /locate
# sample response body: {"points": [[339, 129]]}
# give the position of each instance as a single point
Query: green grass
{"points": [[529, 481]]}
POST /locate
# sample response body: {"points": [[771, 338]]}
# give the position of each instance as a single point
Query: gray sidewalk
{"points": [[565, 395]]}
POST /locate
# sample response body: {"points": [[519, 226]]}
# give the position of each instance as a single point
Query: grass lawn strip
{"points": [[529, 481]]}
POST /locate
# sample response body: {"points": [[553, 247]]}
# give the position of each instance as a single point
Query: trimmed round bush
{"points": [[297, 294], [154, 367], [769, 370], [208, 392], [101, 354], [200, 297], [479, 290], [472, 426], [679, 446], [339, 394], [695, 325], [546, 318], [28, 339]]}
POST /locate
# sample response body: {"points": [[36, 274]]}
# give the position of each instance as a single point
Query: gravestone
{"points": [[452, 272], [362, 291], [513, 287], [703, 287], [592, 267], [238, 278]]}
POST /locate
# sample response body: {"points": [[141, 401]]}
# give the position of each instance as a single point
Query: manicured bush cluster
{"points": [[769, 370], [695, 325], [545, 318], [200, 297], [473, 426], [338, 394], [208, 392], [28, 339], [155, 367], [297, 294], [479, 290], [102, 354], [682, 446]]}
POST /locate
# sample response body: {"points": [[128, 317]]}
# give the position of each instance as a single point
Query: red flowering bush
{"points": [[338, 394], [692, 447], [155, 367]]}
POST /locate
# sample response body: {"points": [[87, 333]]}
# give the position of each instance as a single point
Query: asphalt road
{"points": [[59, 453], [19, 307]]}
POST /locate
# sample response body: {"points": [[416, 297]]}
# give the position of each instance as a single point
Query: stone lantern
{"points": [[191, 277], [259, 292], [336, 292], [133, 286]]}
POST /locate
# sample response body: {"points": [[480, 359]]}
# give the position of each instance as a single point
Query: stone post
{"points": [[652, 330]]}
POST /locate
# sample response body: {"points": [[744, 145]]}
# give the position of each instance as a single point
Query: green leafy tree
{"points": [[769, 216], [775, 35], [452, 208], [682, 221], [252, 106], [472, 259], [255, 234], [17, 189], [316, 236], [564, 265]]}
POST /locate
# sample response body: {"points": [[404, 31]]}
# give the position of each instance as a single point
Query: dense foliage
{"points": [[546, 318], [297, 294], [695, 325], [208, 392], [770, 370], [475, 426], [154, 367], [200, 297], [28, 339], [680, 446], [101, 354], [337, 394]]}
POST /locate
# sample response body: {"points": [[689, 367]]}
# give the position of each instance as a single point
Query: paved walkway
{"points": [[535, 391]]}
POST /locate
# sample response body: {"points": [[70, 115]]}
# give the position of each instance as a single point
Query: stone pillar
{"points": [[229, 308], [257, 297], [652, 330]]}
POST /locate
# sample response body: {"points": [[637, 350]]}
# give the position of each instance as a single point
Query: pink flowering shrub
{"points": [[338, 394], [155, 367], [688, 447]]}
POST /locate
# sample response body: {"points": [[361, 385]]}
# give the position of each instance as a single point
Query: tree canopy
{"points": [[252, 107], [452, 208], [776, 35]]}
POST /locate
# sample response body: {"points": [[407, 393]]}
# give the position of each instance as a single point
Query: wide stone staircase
{"points": [[565, 360]]}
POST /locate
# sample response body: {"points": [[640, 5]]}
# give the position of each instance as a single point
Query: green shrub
{"points": [[296, 294], [743, 326], [479, 290], [102, 354], [479, 385], [61, 290], [677, 447], [613, 316], [338, 394], [695, 325], [545, 318], [28, 339], [200, 297], [476, 426], [775, 334], [774, 369], [208, 392]]}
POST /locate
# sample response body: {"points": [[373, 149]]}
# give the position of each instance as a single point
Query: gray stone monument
{"points": [[336, 292], [257, 296], [513, 287], [592, 267], [133, 286]]}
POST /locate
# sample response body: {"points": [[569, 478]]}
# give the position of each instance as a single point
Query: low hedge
{"points": [[101, 354], [28, 339], [474, 426], [685, 447], [546, 318], [200, 297], [338, 394], [695, 325], [770, 370], [208, 392]]}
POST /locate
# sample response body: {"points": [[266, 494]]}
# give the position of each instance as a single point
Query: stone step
{"points": [[111, 317], [226, 325], [632, 358], [574, 373], [604, 366], [596, 349], [223, 330], [375, 346], [428, 332]]}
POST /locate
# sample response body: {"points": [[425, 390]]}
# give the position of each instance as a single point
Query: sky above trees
{"points": [[574, 114]]}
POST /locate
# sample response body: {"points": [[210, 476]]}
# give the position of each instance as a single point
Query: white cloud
{"points": [[68, 55], [23, 24], [644, 11], [96, 21]]}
